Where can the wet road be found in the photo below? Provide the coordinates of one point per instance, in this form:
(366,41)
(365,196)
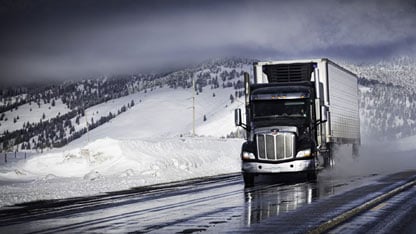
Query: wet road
(215,204)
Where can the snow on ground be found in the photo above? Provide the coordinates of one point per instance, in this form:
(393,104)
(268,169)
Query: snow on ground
(114,165)
(148,144)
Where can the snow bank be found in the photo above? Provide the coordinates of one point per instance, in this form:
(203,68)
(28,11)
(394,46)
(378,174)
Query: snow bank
(109,165)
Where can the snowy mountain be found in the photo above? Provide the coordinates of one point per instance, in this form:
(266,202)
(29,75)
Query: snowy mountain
(54,116)
(399,71)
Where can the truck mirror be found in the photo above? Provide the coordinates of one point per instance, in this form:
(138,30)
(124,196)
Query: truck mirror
(324,114)
(318,110)
(237,117)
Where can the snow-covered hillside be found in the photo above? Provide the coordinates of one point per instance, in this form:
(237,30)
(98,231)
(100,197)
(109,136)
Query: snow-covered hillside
(397,71)
(91,103)
(167,112)
(30,113)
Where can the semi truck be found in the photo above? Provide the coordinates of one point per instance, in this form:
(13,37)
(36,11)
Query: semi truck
(297,113)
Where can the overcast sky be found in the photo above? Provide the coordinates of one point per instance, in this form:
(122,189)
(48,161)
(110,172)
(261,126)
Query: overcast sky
(69,39)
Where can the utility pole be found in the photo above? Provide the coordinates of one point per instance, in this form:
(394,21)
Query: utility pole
(86,122)
(193,107)
(84,151)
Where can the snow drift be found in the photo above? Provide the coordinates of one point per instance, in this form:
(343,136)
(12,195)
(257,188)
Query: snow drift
(109,165)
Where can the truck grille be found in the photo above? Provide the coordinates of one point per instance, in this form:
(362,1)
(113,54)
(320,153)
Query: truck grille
(276,147)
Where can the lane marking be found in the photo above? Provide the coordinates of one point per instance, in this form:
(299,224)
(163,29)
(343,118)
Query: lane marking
(380,206)
(366,206)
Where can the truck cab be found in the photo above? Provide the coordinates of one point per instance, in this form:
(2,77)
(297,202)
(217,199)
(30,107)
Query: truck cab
(287,111)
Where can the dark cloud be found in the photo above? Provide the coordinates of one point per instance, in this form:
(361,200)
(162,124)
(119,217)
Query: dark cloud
(48,39)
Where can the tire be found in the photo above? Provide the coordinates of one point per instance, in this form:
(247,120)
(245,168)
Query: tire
(248,179)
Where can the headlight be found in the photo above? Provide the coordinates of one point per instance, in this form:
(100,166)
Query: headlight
(304,153)
(248,155)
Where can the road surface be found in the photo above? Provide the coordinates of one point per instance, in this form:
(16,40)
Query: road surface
(214,204)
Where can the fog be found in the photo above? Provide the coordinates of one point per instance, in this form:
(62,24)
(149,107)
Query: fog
(375,159)
(77,39)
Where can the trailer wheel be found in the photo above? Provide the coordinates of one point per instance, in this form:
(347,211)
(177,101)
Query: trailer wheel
(248,179)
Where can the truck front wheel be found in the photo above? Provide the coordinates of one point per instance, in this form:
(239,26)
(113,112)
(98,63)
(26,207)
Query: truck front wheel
(248,179)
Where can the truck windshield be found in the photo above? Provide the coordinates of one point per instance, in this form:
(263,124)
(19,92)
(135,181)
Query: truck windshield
(280,108)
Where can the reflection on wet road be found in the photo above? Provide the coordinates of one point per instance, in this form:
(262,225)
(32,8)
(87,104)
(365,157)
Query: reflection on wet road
(273,198)
(270,201)
(212,204)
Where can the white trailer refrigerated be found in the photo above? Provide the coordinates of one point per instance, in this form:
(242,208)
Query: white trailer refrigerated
(296,113)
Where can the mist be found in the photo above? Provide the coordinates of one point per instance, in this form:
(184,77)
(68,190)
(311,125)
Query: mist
(375,159)
(50,40)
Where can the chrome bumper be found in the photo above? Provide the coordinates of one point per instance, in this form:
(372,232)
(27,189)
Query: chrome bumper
(293,166)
